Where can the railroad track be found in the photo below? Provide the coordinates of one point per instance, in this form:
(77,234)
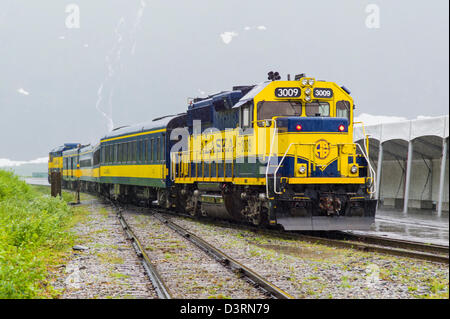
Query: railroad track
(368,243)
(243,272)
(389,246)
(266,287)
(161,290)
(397,243)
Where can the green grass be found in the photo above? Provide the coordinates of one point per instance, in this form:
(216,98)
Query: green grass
(33,238)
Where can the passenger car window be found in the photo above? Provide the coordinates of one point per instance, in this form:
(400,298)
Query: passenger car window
(130,152)
(134,151)
(163,153)
(146,150)
(151,150)
(111,155)
(139,151)
(158,149)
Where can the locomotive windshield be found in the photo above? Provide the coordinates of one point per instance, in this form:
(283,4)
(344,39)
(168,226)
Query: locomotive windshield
(317,109)
(269,109)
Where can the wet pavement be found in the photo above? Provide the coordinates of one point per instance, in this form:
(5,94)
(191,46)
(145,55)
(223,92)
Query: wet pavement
(416,225)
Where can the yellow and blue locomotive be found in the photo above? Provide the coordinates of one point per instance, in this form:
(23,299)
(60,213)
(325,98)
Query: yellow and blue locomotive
(55,158)
(276,153)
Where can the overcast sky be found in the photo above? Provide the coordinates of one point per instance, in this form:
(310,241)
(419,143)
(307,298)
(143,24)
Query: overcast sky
(138,59)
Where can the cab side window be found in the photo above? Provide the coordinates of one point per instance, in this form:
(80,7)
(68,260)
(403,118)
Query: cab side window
(246,115)
(343,109)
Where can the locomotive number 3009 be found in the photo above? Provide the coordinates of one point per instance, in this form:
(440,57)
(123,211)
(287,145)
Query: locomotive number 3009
(287,92)
(319,92)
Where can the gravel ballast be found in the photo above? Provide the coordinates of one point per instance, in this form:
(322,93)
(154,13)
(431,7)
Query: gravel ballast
(187,271)
(103,263)
(308,270)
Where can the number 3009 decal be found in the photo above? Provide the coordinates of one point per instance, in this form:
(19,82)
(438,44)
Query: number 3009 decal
(287,92)
(326,93)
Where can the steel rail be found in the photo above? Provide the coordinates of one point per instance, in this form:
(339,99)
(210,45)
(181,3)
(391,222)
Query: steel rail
(161,290)
(380,245)
(378,248)
(252,277)
(397,243)
(389,246)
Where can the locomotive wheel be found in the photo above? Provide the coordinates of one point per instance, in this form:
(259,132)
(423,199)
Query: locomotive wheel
(256,212)
(192,204)
(193,208)
(164,199)
(187,203)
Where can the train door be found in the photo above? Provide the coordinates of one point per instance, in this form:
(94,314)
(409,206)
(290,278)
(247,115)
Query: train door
(78,170)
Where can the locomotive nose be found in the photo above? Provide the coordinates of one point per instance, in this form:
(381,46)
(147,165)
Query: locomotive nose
(314,124)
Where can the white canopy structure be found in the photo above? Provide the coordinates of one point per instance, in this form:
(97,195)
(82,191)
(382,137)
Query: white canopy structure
(410,153)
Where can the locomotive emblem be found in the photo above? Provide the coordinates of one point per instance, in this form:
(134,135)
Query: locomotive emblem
(322,149)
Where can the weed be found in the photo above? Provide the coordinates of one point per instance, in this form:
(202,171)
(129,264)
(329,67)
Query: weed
(33,238)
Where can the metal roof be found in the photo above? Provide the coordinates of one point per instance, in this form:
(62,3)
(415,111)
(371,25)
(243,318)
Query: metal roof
(427,134)
(405,130)
(251,94)
(142,127)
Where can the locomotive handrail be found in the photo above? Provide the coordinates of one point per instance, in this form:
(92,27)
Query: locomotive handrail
(366,155)
(366,136)
(371,170)
(278,167)
(275,131)
(173,163)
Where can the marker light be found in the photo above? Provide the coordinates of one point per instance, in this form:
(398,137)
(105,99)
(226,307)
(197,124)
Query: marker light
(341,128)
(304,81)
(354,169)
(302,170)
(298,127)
(311,81)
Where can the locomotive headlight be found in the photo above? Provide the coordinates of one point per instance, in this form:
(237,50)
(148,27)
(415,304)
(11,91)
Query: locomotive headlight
(302,169)
(354,169)
(307,98)
(311,82)
(308,91)
(304,81)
